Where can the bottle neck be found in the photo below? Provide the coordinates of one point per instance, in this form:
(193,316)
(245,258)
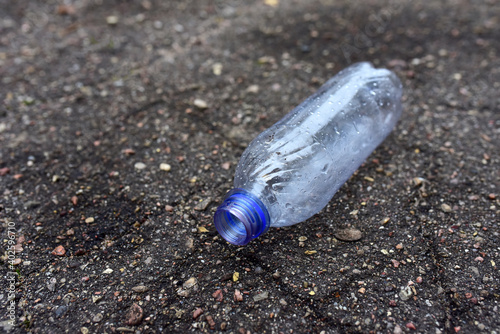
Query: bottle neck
(241,217)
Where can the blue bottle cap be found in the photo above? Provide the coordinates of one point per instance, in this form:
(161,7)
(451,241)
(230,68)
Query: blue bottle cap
(241,217)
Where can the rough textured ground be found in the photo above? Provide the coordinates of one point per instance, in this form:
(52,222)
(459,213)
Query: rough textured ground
(97,95)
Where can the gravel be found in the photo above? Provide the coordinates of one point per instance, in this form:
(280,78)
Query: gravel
(122,123)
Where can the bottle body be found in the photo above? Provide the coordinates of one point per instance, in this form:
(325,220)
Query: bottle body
(295,167)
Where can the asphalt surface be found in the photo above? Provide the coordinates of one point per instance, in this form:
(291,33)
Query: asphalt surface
(121,124)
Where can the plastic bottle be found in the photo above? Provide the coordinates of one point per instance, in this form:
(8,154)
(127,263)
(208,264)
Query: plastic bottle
(292,170)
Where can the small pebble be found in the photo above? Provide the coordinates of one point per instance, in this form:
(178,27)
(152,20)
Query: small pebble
(140,165)
(190,283)
(60,311)
(211,322)
(217,68)
(199,103)
(52,284)
(165,167)
(238,297)
(112,20)
(140,288)
(226,277)
(218,296)
(59,251)
(410,325)
(349,234)
(253,89)
(197,313)
(134,315)
(443,52)
(397,63)
(108,271)
(405,293)
(89,220)
(98,317)
(261,296)
(201,206)
(202,229)
(4,171)
(96,299)
(157,24)
(66,10)
(446,208)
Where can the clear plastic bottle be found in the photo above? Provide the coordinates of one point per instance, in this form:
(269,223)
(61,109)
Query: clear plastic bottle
(292,170)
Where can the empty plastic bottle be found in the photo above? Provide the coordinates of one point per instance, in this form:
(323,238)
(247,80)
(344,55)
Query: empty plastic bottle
(292,170)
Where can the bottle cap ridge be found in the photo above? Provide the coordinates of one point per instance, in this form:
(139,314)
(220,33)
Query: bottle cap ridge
(241,217)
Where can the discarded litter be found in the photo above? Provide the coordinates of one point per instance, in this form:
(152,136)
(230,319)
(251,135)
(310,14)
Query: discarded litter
(292,170)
